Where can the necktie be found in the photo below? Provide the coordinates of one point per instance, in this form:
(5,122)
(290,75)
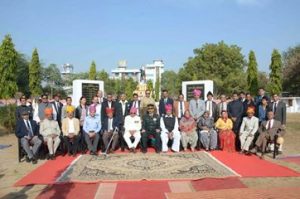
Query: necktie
(29,129)
(196,104)
(181,109)
(269,124)
(210,111)
(275,107)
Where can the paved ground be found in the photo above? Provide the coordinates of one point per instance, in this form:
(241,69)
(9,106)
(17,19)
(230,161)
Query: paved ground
(11,170)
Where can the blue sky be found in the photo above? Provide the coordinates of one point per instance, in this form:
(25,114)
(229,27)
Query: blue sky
(77,32)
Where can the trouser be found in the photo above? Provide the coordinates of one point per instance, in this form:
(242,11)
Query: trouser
(106,138)
(189,138)
(137,138)
(71,144)
(165,139)
(35,142)
(246,140)
(145,137)
(92,143)
(209,139)
(52,143)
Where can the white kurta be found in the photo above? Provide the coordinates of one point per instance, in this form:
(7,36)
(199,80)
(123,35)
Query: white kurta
(248,128)
(132,124)
(165,138)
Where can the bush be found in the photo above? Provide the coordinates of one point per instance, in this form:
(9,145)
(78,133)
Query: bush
(8,117)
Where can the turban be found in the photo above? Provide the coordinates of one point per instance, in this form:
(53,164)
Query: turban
(70,109)
(92,108)
(197,92)
(133,110)
(168,107)
(109,110)
(251,109)
(48,111)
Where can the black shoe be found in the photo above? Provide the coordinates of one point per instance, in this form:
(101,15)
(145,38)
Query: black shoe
(28,159)
(122,149)
(69,154)
(34,161)
(48,156)
(52,157)
(144,151)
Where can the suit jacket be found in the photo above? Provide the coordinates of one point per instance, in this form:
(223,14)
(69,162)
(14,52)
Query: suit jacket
(276,128)
(280,113)
(120,109)
(176,109)
(58,110)
(139,105)
(103,109)
(65,126)
(21,128)
(249,125)
(197,110)
(214,110)
(235,109)
(115,123)
(219,108)
(162,110)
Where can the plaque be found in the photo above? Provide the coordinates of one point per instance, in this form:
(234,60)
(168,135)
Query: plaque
(89,90)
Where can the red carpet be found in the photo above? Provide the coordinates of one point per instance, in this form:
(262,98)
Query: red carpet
(145,190)
(217,183)
(253,166)
(47,173)
(295,160)
(69,190)
(132,190)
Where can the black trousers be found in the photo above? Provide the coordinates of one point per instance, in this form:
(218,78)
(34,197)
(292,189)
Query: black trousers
(145,138)
(71,144)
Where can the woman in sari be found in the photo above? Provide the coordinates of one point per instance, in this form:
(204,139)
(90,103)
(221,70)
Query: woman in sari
(226,135)
(188,131)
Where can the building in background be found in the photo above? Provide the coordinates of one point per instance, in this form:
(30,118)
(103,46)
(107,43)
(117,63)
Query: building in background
(122,72)
(154,71)
(66,71)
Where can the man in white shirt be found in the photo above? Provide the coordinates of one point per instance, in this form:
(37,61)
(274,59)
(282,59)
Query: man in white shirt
(50,131)
(132,126)
(248,129)
(169,130)
(70,129)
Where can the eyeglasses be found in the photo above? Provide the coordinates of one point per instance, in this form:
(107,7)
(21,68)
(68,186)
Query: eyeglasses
(150,108)
(147,93)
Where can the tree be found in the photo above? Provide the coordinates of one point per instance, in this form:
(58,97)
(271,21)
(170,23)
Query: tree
(291,70)
(263,80)
(8,81)
(52,76)
(8,68)
(130,86)
(170,81)
(92,73)
(222,63)
(252,74)
(22,74)
(275,86)
(35,74)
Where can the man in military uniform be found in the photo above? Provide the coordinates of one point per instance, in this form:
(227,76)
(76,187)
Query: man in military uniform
(151,128)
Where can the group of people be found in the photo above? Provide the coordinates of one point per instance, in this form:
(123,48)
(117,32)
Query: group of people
(240,123)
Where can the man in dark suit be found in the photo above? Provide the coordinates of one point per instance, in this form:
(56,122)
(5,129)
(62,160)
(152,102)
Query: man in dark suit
(164,101)
(123,111)
(258,98)
(211,106)
(27,131)
(57,106)
(136,103)
(110,124)
(109,103)
(279,109)
(235,112)
(267,131)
